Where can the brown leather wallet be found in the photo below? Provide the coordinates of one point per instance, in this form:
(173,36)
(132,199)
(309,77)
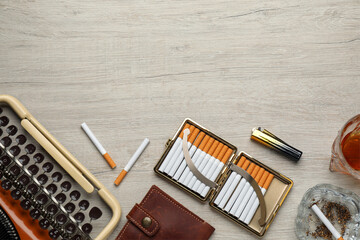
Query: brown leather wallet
(159,216)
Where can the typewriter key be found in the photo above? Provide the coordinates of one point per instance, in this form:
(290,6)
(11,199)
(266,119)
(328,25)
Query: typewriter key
(15,194)
(38,157)
(33,169)
(95,213)
(65,186)
(12,130)
(30,148)
(6,141)
(56,177)
(87,228)
(42,178)
(25,204)
(61,198)
(61,218)
(70,207)
(5,160)
(44,223)
(75,195)
(32,189)
(52,209)
(15,150)
(6,184)
(70,228)
(84,204)
(52,188)
(4,121)
(54,233)
(79,217)
(24,160)
(15,170)
(24,180)
(21,139)
(42,199)
(48,167)
(35,213)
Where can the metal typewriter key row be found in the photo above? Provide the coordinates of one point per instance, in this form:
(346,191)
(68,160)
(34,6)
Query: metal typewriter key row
(45,193)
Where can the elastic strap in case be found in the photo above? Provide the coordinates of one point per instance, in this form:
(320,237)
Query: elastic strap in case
(233,167)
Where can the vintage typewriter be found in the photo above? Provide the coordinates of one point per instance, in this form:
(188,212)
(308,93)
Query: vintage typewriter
(45,193)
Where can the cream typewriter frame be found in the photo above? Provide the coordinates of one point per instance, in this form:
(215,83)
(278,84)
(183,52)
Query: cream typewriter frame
(74,168)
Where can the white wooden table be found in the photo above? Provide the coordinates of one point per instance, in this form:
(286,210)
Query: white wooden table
(136,69)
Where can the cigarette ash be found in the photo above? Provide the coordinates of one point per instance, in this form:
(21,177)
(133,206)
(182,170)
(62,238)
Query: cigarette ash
(337,214)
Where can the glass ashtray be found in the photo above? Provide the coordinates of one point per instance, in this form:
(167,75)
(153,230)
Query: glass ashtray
(343,210)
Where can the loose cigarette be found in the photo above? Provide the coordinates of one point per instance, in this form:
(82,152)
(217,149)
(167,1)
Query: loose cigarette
(179,152)
(194,158)
(264,188)
(208,165)
(173,149)
(326,222)
(187,175)
(217,162)
(218,170)
(242,187)
(253,196)
(181,156)
(231,183)
(98,145)
(192,151)
(248,191)
(132,161)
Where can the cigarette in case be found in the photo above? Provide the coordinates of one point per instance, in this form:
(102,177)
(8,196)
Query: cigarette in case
(326,222)
(268,139)
(193,134)
(192,152)
(132,161)
(217,170)
(218,162)
(264,184)
(208,165)
(172,151)
(232,181)
(187,175)
(198,156)
(179,153)
(212,151)
(98,145)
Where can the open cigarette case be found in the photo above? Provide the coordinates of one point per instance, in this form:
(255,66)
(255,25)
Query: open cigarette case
(211,169)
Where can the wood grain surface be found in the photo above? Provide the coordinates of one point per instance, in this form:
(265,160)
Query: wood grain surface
(136,69)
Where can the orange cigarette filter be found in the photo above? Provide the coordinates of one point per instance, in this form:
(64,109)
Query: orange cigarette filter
(259,175)
(251,168)
(182,131)
(204,142)
(241,161)
(227,155)
(222,152)
(199,138)
(263,179)
(109,160)
(192,133)
(209,145)
(217,150)
(255,171)
(246,164)
(268,181)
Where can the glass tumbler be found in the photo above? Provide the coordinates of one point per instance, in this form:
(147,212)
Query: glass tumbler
(345,152)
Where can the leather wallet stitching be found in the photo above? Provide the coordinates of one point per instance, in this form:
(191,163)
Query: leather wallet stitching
(124,229)
(176,204)
(141,227)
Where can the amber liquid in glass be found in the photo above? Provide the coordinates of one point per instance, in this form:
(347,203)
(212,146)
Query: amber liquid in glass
(350,146)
